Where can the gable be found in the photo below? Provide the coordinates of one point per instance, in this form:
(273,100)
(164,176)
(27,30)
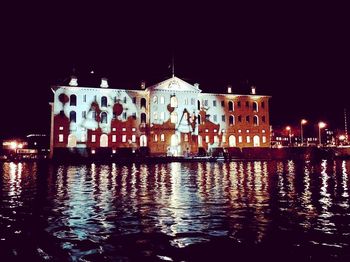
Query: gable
(174,84)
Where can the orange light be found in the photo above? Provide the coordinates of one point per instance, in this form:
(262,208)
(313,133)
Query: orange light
(288,128)
(303,121)
(321,124)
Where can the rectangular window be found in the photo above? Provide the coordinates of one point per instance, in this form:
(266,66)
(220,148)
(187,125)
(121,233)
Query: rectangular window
(214,103)
(223,139)
(124,115)
(193,101)
(114,129)
(162,100)
(215,118)
(223,119)
(124,129)
(248,139)
(61,128)
(205,102)
(84,98)
(186,101)
(133,115)
(207,139)
(239,139)
(114,116)
(134,100)
(264,139)
(186,138)
(114,138)
(133,129)
(133,138)
(123,138)
(223,103)
(93,138)
(60,138)
(239,104)
(162,137)
(124,100)
(84,114)
(247,104)
(247,119)
(155,138)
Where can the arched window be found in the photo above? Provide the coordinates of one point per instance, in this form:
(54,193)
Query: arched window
(256,120)
(173,101)
(199,119)
(155,100)
(73,117)
(103,140)
(231,120)
(143,118)
(231,141)
(256,141)
(230,106)
(255,106)
(200,140)
(73,100)
(173,117)
(104,101)
(104,118)
(143,140)
(143,102)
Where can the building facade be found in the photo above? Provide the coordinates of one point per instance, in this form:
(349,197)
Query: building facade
(170,118)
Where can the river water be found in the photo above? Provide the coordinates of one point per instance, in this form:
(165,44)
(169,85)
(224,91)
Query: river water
(236,211)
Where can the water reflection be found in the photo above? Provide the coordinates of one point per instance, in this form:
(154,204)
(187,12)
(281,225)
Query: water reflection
(94,211)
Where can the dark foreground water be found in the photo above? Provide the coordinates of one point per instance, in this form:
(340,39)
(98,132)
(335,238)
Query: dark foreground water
(238,211)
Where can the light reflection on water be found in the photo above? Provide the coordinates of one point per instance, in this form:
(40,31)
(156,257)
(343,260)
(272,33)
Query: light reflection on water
(153,211)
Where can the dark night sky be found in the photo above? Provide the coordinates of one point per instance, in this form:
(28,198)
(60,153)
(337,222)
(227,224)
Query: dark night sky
(298,54)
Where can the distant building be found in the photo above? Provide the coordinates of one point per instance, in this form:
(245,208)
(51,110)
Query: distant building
(170,118)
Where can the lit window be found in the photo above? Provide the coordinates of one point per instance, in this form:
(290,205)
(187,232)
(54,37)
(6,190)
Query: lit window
(155,100)
(93,138)
(162,100)
(60,138)
(114,138)
(240,139)
(247,131)
(206,130)
(83,137)
(264,139)
(114,129)
(216,139)
(173,101)
(173,117)
(155,115)
(186,116)
(133,129)
(61,128)
(155,138)
(186,137)
(223,130)
(200,141)
(162,137)
(93,151)
(239,131)
(248,139)
(124,129)
(207,139)
(114,151)
(123,138)
(215,130)
(133,138)
(223,139)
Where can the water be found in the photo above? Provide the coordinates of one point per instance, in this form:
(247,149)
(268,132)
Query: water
(237,211)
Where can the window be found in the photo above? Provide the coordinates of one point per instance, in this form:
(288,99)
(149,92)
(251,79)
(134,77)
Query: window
(114,116)
(155,138)
(104,118)
(214,103)
(216,140)
(83,138)
(114,129)
(155,100)
(173,117)
(223,118)
(143,102)
(255,120)
(123,138)
(207,140)
(205,102)
(162,115)
(215,118)
(207,117)
(73,100)
(162,137)
(247,119)
(133,129)
(143,118)
(223,103)
(60,138)
(239,119)
(124,100)
(72,117)
(240,139)
(255,106)
(262,104)
(199,105)
(239,104)
(114,138)
(133,138)
(134,100)
(186,101)
(231,120)
(193,101)
(83,114)
(199,119)
(61,113)
(162,100)
(173,101)
(93,138)
(133,115)
(124,129)
(61,128)
(206,130)
(84,98)
(155,116)
(264,139)
(104,101)
(248,139)
(263,119)
(246,104)
(230,106)
(223,139)
(124,115)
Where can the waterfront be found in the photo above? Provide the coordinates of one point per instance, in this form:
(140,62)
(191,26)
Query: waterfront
(277,210)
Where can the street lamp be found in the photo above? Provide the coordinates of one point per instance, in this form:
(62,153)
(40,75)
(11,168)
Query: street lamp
(289,129)
(302,122)
(320,126)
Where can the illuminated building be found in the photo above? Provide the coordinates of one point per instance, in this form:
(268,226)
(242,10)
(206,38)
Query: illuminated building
(170,118)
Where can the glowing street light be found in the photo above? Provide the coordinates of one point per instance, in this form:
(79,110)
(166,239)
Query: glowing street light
(302,122)
(289,129)
(320,126)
